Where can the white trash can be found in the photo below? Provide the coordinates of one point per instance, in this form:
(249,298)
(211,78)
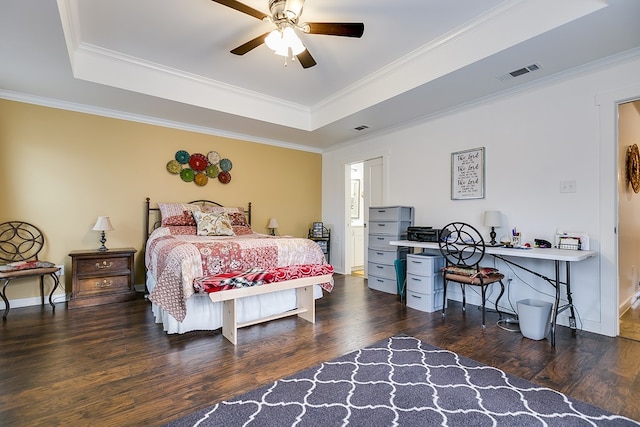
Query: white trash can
(534,317)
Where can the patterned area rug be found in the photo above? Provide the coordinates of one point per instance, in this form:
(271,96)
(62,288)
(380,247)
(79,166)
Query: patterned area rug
(402,381)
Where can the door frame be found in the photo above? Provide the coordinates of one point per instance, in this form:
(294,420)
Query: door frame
(609,166)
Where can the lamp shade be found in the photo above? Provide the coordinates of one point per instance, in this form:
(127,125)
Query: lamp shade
(103,224)
(492,219)
(273,223)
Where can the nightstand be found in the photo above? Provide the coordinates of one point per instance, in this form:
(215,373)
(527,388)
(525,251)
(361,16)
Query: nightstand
(101,277)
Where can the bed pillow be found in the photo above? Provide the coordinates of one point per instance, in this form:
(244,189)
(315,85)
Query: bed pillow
(212,224)
(177,213)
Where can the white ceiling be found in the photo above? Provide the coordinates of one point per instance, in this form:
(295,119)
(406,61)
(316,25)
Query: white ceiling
(168,61)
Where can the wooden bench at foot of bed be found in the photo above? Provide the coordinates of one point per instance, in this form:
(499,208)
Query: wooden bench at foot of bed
(305,301)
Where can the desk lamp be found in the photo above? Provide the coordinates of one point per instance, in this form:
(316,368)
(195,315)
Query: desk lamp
(492,219)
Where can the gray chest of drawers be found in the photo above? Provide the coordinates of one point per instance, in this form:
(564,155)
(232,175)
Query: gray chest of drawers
(386,223)
(425,282)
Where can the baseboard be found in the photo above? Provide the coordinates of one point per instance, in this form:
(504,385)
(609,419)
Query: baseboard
(58,297)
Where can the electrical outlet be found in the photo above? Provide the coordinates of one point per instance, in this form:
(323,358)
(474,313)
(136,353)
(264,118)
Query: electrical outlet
(61,271)
(568,186)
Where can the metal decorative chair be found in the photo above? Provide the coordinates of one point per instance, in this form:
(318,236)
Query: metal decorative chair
(20,243)
(463,250)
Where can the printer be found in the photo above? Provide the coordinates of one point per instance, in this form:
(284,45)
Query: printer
(426,234)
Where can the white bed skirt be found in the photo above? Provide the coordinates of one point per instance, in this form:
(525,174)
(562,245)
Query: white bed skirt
(205,315)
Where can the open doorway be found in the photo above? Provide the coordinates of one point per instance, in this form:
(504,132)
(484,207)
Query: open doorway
(628,223)
(364,188)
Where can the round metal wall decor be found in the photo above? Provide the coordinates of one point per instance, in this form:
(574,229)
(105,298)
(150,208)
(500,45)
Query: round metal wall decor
(198,168)
(633,167)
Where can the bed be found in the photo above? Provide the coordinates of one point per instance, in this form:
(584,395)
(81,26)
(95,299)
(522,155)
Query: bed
(178,254)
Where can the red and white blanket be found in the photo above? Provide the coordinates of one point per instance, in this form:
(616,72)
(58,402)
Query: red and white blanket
(176,258)
(260,276)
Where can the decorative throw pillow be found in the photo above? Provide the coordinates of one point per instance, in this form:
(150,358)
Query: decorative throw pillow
(212,224)
(238,218)
(25,265)
(177,213)
(241,230)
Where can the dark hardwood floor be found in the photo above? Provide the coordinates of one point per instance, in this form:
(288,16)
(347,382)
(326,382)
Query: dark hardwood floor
(112,365)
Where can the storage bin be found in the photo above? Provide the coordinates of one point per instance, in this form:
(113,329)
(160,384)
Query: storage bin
(425,284)
(382,241)
(425,302)
(391,213)
(388,271)
(386,256)
(395,228)
(383,284)
(534,317)
(425,264)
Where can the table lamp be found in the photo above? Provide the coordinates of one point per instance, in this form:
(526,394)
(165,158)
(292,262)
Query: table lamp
(103,224)
(492,219)
(273,224)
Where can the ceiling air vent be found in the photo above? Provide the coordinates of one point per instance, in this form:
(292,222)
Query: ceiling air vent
(361,127)
(519,72)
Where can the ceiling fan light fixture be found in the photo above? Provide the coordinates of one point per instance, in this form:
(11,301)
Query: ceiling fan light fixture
(281,40)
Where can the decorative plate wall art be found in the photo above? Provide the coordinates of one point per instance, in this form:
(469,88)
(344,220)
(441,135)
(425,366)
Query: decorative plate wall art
(200,168)
(633,167)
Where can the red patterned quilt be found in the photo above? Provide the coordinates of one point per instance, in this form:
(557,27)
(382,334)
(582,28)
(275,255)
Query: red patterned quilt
(175,259)
(259,276)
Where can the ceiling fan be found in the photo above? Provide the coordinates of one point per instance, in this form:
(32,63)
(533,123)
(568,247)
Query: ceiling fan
(285,15)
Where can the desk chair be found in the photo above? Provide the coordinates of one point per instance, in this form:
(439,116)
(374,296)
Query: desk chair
(463,250)
(20,243)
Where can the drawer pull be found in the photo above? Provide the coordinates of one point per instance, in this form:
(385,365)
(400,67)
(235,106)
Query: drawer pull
(417,262)
(380,238)
(379,253)
(416,279)
(104,284)
(416,296)
(379,266)
(104,265)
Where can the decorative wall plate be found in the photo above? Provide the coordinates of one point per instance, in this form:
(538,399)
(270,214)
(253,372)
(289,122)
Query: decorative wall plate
(198,162)
(174,167)
(224,177)
(633,167)
(226,165)
(201,179)
(213,157)
(212,171)
(182,157)
(187,174)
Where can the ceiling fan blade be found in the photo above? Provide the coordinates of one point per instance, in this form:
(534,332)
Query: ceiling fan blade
(250,45)
(306,60)
(241,7)
(345,29)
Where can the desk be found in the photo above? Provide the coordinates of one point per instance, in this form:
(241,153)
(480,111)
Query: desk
(551,254)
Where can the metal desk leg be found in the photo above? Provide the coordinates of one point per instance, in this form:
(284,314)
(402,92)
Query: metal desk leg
(572,318)
(554,317)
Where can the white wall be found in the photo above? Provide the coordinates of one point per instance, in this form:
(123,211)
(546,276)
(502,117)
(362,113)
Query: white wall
(534,139)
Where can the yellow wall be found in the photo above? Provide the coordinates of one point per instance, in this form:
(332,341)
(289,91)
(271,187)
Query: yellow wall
(60,170)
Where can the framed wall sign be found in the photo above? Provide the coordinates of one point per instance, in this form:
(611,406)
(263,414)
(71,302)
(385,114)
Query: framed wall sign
(467,174)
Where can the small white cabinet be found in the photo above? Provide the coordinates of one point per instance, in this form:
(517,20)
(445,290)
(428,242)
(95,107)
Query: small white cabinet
(386,223)
(425,283)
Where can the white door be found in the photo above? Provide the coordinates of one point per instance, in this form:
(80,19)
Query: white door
(373,196)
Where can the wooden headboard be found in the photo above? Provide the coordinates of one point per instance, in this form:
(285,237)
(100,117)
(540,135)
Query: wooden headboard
(153,220)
